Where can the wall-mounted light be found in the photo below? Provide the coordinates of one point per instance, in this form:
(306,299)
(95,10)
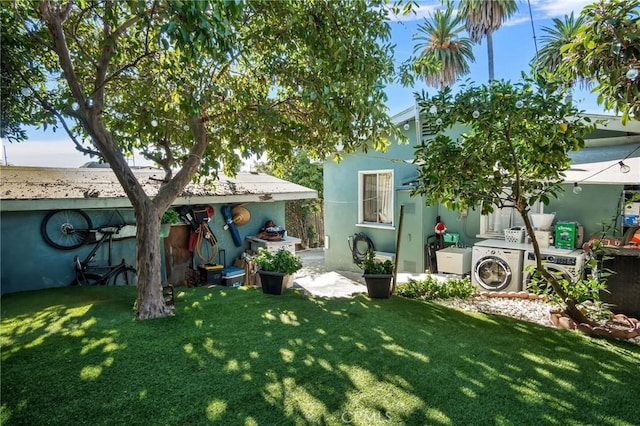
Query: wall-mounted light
(577,188)
(406,126)
(624,168)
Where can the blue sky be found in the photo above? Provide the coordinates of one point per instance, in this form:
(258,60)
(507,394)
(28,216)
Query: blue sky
(513,50)
(513,47)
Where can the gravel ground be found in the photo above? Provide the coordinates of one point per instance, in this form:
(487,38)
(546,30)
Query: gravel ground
(523,309)
(527,310)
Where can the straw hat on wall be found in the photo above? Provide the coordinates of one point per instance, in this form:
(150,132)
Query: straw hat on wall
(240,215)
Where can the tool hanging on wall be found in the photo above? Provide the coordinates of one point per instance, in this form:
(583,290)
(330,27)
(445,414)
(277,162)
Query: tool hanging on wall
(230,224)
(196,215)
(203,235)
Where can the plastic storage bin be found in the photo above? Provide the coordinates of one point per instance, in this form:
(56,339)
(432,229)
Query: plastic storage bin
(233,276)
(454,260)
(210,274)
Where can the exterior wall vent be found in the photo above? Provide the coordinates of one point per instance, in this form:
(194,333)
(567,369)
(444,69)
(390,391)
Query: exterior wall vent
(409,266)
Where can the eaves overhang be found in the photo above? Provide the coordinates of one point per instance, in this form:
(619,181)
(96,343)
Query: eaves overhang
(36,188)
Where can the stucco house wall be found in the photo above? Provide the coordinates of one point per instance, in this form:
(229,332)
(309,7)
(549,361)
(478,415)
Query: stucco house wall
(598,202)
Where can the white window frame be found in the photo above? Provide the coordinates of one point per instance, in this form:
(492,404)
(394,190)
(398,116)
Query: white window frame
(538,207)
(391,209)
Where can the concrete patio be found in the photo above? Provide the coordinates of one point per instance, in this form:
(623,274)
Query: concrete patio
(317,281)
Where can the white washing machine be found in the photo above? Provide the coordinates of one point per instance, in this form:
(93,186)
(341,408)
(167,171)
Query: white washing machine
(496,268)
(566,264)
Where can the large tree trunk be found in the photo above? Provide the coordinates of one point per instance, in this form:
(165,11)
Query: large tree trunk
(150,302)
(571,305)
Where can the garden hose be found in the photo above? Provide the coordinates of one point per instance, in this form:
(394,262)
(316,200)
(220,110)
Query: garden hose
(357,255)
(204,233)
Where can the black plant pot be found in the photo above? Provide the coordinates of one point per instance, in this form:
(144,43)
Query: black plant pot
(272,282)
(378,286)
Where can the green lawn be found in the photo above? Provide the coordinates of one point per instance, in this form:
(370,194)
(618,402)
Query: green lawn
(238,357)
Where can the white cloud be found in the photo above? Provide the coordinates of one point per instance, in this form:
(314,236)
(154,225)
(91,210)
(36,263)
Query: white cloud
(51,153)
(419,13)
(516,21)
(556,8)
(541,9)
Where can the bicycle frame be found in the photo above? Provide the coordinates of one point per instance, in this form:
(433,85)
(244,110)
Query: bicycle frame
(92,275)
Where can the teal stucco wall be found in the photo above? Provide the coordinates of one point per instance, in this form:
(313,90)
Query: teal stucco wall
(596,208)
(27,262)
(595,205)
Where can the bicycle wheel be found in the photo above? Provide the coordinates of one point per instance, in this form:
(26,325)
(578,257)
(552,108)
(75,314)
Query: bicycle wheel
(91,278)
(126,276)
(66,229)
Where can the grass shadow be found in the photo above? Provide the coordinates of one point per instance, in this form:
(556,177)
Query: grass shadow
(236,356)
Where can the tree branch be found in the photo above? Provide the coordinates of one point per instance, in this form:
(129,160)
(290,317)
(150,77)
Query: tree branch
(54,23)
(77,40)
(47,106)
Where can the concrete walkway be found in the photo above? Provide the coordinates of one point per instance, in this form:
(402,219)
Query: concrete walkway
(315,280)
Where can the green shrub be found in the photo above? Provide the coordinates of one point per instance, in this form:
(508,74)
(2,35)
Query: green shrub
(370,265)
(170,216)
(430,289)
(281,261)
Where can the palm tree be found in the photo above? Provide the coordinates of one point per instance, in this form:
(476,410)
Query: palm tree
(563,32)
(444,56)
(482,18)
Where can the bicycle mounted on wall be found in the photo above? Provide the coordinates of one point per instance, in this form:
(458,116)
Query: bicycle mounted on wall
(71,229)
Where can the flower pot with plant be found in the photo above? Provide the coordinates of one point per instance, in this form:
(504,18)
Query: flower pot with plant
(274,267)
(377,275)
(168,218)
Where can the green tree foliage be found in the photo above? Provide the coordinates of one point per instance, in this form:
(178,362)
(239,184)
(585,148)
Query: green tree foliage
(482,18)
(553,40)
(18,76)
(199,85)
(442,54)
(511,151)
(606,51)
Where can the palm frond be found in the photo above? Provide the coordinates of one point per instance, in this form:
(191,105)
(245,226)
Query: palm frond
(439,41)
(485,16)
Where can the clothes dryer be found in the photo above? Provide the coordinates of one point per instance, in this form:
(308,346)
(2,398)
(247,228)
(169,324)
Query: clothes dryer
(566,265)
(496,269)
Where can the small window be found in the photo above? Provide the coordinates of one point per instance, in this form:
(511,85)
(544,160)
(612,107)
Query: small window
(494,224)
(375,197)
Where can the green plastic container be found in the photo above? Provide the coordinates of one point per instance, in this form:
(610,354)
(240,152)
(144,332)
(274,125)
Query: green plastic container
(566,235)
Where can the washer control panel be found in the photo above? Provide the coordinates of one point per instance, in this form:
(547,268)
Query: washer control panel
(550,258)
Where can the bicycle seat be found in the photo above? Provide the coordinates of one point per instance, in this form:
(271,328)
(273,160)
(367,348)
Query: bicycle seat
(109,229)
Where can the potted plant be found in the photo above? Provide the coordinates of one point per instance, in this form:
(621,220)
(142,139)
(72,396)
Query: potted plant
(274,267)
(377,275)
(169,217)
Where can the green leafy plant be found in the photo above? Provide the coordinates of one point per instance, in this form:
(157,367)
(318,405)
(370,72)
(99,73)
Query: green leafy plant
(280,261)
(500,145)
(431,289)
(371,266)
(321,87)
(604,50)
(585,291)
(170,216)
